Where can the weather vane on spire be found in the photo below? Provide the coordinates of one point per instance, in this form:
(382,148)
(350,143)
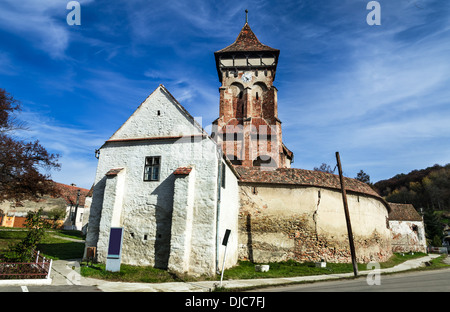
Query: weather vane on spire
(246,16)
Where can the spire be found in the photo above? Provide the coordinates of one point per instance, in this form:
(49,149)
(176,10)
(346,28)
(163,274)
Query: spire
(247,41)
(246,16)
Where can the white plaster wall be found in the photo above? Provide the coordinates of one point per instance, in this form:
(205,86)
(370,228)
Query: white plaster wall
(147,205)
(404,239)
(182,222)
(228,219)
(145,121)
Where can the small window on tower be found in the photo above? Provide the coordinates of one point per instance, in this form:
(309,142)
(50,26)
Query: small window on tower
(240,95)
(257,96)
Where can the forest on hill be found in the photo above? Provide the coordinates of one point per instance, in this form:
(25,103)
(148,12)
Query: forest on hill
(428,190)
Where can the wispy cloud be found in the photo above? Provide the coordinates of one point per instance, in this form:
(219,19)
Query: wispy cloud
(42,23)
(74,145)
(373,92)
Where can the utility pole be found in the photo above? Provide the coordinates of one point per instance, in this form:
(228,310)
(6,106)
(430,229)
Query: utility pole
(74,219)
(347,216)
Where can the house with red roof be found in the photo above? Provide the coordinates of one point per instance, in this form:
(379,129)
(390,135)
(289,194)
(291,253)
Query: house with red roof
(407,228)
(72,200)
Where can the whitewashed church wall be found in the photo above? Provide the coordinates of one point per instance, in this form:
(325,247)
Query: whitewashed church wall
(147,205)
(157,116)
(228,219)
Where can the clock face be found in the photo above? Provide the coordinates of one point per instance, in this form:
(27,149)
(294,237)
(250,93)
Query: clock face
(247,76)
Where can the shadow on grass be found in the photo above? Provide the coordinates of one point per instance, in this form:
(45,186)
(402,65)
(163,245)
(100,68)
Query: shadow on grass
(62,251)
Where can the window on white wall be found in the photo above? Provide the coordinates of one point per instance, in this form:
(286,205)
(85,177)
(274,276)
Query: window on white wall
(152,168)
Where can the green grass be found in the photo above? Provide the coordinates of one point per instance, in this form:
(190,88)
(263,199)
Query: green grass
(244,270)
(60,248)
(51,247)
(10,237)
(130,273)
(68,233)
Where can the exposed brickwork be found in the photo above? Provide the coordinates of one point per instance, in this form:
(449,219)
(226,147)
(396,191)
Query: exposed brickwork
(248,106)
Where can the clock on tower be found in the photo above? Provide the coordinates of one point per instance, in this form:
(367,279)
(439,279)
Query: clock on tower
(248,126)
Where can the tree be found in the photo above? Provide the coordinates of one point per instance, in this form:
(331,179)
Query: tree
(433,226)
(56,214)
(8,105)
(21,162)
(363,177)
(22,251)
(324,168)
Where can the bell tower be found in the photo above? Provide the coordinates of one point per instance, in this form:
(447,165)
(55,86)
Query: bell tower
(248,126)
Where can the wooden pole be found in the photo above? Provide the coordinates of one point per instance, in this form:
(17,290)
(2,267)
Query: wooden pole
(347,216)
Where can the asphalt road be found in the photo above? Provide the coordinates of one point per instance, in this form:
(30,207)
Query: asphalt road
(423,281)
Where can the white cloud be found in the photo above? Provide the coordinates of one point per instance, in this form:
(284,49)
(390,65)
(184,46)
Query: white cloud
(75,146)
(43,23)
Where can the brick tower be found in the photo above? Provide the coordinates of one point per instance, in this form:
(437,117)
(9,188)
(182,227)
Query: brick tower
(248,126)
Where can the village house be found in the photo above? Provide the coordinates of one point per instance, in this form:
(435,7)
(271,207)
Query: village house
(72,200)
(407,227)
(173,190)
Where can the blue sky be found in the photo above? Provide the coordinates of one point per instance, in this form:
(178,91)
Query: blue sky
(380,95)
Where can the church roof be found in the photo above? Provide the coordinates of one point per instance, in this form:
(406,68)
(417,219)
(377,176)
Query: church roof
(302,177)
(247,42)
(404,212)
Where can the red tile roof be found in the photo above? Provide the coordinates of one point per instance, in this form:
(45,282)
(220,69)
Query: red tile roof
(182,171)
(113,172)
(294,176)
(247,41)
(404,212)
(69,193)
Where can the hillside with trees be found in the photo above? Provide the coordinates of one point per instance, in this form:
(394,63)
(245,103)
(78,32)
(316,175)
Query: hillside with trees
(428,189)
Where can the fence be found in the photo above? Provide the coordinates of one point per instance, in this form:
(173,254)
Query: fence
(39,269)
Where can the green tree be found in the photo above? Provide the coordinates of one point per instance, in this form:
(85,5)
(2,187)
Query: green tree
(23,250)
(324,168)
(56,214)
(363,177)
(433,226)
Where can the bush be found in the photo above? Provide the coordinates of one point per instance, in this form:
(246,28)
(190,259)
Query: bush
(23,250)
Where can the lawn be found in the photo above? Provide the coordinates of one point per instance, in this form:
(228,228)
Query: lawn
(53,246)
(244,270)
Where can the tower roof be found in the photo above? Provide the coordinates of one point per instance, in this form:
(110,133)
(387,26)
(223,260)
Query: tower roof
(247,42)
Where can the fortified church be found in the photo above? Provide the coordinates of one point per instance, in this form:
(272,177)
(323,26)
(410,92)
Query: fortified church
(173,191)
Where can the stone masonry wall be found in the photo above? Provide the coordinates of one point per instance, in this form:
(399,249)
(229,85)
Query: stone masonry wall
(279,223)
